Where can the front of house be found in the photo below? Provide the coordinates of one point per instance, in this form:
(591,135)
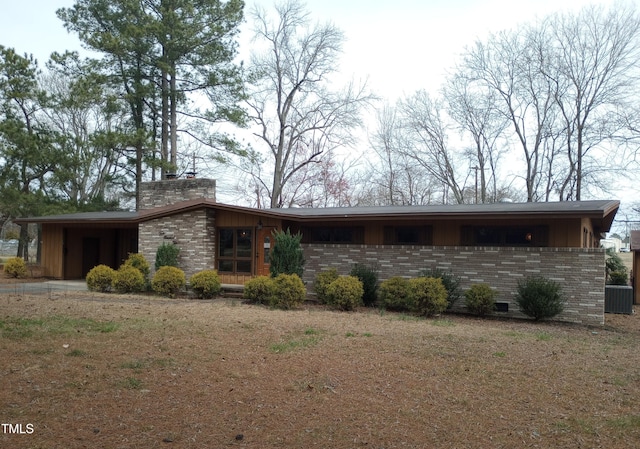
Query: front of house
(497,244)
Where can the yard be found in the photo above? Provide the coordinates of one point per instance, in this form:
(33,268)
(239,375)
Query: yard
(86,370)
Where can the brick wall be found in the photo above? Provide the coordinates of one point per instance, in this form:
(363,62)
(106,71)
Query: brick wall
(162,193)
(581,272)
(193,232)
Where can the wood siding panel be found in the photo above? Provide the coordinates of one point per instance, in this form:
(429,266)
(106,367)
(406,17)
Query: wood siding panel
(52,249)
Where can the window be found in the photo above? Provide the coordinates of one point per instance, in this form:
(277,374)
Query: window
(408,235)
(505,235)
(235,247)
(338,234)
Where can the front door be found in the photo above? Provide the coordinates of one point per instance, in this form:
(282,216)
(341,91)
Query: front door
(264,244)
(90,254)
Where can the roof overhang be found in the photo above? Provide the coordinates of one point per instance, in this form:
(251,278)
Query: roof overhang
(601,213)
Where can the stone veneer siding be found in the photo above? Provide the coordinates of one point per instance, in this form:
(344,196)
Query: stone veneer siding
(162,193)
(580,272)
(193,232)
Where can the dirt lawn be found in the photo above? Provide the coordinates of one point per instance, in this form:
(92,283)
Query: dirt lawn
(86,370)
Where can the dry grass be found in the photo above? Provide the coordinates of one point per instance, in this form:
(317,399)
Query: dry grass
(105,371)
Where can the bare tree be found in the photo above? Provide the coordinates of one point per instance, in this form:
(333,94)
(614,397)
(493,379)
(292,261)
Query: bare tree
(478,116)
(393,177)
(593,68)
(428,144)
(298,118)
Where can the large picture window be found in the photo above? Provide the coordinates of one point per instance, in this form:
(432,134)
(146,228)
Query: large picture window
(505,235)
(408,235)
(235,248)
(333,234)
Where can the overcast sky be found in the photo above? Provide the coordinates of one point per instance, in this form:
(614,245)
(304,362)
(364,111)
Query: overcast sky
(399,46)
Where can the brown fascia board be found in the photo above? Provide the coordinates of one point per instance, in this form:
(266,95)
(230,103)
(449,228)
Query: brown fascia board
(601,212)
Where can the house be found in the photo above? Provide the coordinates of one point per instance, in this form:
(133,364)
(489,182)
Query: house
(635,273)
(497,244)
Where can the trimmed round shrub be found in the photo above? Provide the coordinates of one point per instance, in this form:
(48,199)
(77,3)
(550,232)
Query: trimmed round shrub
(368,275)
(322,281)
(450,281)
(16,267)
(394,294)
(168,281)
(137,260)
(167,255)
(428,295)
(480,299)
(206,284)
(345,293)
(288,291)
(540,298)
(128,279)
(259,289)
(100,278)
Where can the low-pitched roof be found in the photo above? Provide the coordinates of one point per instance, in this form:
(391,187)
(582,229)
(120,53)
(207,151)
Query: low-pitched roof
(602,212)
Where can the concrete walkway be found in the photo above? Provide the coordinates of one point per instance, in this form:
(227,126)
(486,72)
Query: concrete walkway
(43,287)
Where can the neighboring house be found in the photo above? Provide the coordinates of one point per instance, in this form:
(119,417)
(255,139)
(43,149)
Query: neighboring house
(635,272)
(497,244)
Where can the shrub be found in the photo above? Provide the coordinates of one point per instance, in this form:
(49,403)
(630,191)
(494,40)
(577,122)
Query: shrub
(394,294)
(450,281)
(288,291)
(345,293)
(286,255)
(137,260)
(206,284)
(540,298)
(614,264)
(428,295)
(259,290)
(322,281)
(128,280)
(167,255)
(480,299)
(619,277)
(100,278)
(168,281)
(368,275)
(16,267)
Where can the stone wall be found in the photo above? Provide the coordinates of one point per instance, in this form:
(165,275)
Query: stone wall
(581,272)
(170,191)
(193,232)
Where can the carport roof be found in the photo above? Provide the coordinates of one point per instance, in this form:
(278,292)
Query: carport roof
(602,212)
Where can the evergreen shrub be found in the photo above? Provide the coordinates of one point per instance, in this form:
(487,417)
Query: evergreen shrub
(16,267)
(394,294)
(128,279)
(288,292)
(168,281)
(259,290)
(167,255)
(206,284)
(286,255)
(345,293)
(137,260)
(368,275)
(100,278)
(450,281)
(322,281)
(428,295)
(480,299)
(540,298)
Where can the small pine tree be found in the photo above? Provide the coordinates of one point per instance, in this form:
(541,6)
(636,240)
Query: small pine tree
(167,255)
(286,255)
